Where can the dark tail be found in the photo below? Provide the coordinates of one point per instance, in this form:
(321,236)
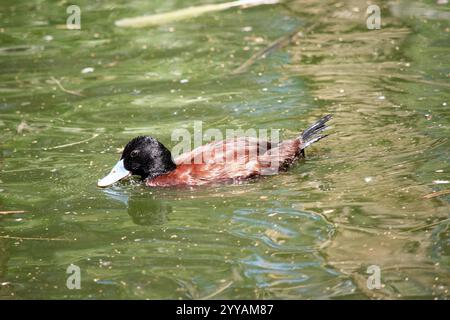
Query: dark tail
(311,135)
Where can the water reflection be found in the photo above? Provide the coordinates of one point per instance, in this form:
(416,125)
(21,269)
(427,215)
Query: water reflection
(144,209)
(145,212)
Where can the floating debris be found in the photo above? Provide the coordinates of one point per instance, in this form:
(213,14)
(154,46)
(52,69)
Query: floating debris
(95,135)
(436,194)
(87,70)
(23,126)
(58,83)
(368,179)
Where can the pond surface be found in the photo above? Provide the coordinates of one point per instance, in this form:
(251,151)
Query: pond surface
(71,99)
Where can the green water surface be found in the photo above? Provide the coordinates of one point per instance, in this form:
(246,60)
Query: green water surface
(357,200)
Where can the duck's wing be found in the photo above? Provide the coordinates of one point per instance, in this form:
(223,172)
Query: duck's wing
(240,149)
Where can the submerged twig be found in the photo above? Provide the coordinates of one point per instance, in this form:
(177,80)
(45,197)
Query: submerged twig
(277,44)
(219,121)
(436,194)
(12,212)
(218,291)
(427,225)
(95,135)
(186,13)
(58,83)
(30,238)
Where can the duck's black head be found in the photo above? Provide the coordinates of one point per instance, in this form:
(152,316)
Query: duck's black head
(143,156)
(147,157)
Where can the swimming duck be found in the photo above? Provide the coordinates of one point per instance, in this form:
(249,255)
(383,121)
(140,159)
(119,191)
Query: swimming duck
(235,159)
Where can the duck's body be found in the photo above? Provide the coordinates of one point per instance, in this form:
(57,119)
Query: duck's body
(230,160)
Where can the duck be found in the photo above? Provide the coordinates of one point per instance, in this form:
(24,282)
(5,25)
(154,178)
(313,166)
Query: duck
(231,160)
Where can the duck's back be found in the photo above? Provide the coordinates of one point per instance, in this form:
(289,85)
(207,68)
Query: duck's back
(233,159)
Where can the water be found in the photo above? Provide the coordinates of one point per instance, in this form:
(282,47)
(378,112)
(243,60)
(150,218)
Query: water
(357,200)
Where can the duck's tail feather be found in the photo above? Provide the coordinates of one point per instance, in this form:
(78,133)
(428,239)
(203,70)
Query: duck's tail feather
(311,135)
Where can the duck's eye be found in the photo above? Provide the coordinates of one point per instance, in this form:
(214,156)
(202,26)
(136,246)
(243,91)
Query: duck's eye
(134,153)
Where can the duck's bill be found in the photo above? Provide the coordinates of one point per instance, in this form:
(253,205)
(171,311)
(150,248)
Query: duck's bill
(117,173)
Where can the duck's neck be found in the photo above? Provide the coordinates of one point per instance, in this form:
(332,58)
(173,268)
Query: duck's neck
(166,166)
